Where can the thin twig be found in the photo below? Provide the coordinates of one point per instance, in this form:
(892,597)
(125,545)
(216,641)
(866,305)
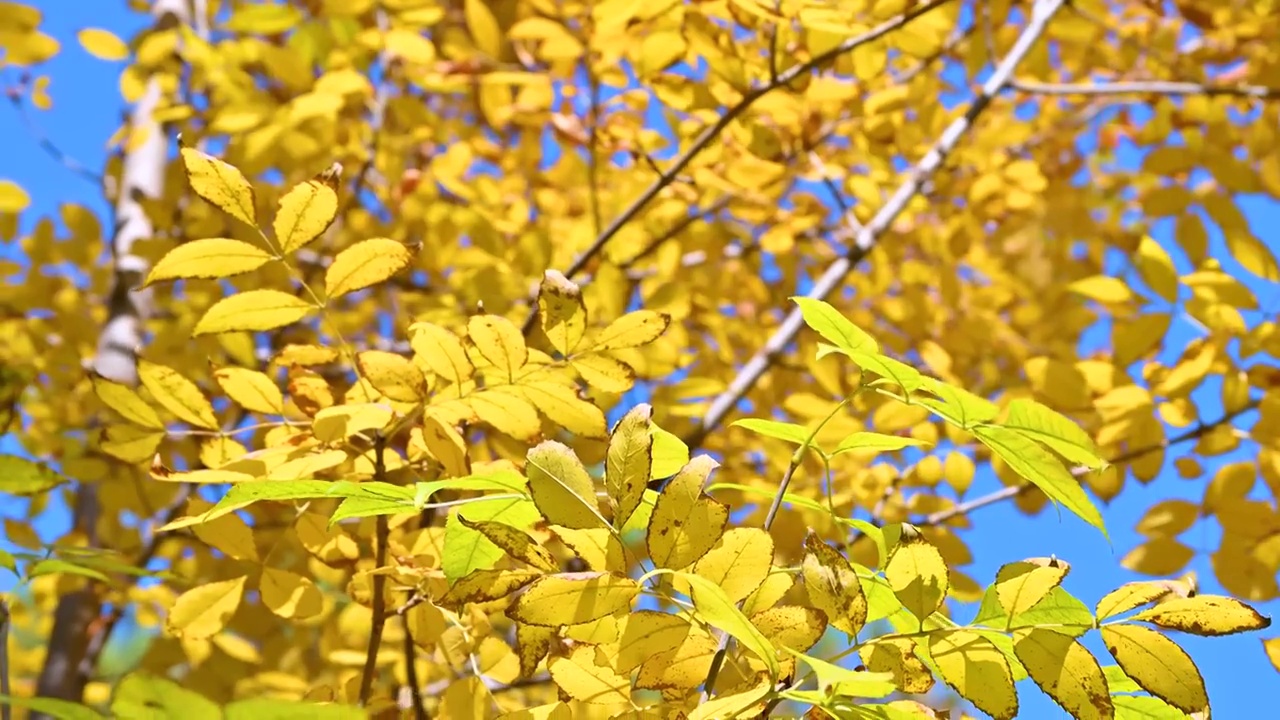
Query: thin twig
(381,536)
(411,671)
(46,144)
(6,710)
(715,129)
(1195,433)
(1145,87)
(866,240)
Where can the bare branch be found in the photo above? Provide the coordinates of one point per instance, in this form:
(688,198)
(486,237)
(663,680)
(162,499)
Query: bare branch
(1145,87)
(51,148)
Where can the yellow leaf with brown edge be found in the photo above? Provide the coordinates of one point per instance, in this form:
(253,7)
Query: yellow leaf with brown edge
(204,610)
(605,373)
(365,264)
(507,413)
(739,562)
(562,406)
(207,258)
(684,667)
(791,627)
(177,394)
(634,329)
(125,402)
(500,342)
(1066,671)
(1020,585)
(514,542)
(561,488)
(441,351)
(628,462)
(251,311)
(579,677)
(833,586)
(917,573)
(289,595)
(220,184)
(1158,665)
(395,376)
(561,311)
(486,585)
(598,547)
(685,523)
(976,669)
(897,656)
(251,390)
(573,599)
(305,212)
(532,644)
(1207,615)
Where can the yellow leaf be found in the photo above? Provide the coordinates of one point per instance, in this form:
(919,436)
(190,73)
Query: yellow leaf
(305,212)
(1158,556)
(739,563)
(976,669)
(632,330)
(13,197)
(251,311)
(1271,646)
(514,542)
(177,394)
(740,704)
(917,574)
(506,412)
(628,463)
(561,311)
(1205,615)
(484,27)
(561,487)
(203,611)
(220,184)
(487,585)
(1252,253)
(251,390)
(833,586)
(395,376)
(289,595)
(897,656)
(127,403)
(562,406)
(717,610)
(209,258)
(102,44)
(1065,671)
(201,477)
(364,264)
(1020,585)
(305,355)
(649,633)
(446,445)
(228,533)
(684,667)
(129,443)
(1157,269)
(604,373)
(410,45)
(1158,665)
(791,627)
(1136,594)
(770,592)
(581,678)
(573,599)
(499,342)
(686,523)
(327,544)
(1102,288)
(440,350)
(597,547)
(334,424)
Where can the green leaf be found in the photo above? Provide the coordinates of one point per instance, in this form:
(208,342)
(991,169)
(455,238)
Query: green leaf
(900,373)
(790,432)
(957,405)
(1041,469)
(500,480)
(356,507)
(58,709)
(878,442)
(715,607)
(844,682)
(836,328)
(20,476)
(54,566)
(1144,707)
(275,709)
(1058,608)
(144,696)
(1040,423)
(8,561)
(467,550)
(1118,681)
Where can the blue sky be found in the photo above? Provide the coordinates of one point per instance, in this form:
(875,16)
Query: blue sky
(87,109)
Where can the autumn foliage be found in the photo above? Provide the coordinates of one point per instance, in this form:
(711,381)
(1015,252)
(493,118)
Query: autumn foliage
(542,360)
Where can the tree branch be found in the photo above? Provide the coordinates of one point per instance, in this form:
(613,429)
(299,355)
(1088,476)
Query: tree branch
(1145,87)
(866,239)
(381,537)
(713,131)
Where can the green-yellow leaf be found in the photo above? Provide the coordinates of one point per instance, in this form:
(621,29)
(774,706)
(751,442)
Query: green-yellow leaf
(208,258)
(844,682)
(916,572)
(789,432)
(1207,615)
(875,442)
(1041,469)
(1030,418)
(739,704)
(573,599)
(143,695)
(976,669)
(514,542)
(669,453)
(177,394)
(718,611)
(467,550)
(20,476)
(203,611)
(834,327)
(57,709)
(1020,585)
(365,264)
(685,523)
(634,329)
(629,462)
(1066,671)
(561,487)
(253,311)
(1158,665)
(305,212)
(102,44)
(220,184)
